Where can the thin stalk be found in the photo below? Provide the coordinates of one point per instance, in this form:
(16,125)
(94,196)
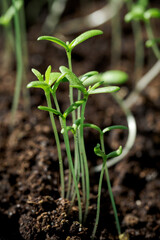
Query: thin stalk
(66,140)
(110,188)
(151,36)
(19,63)
(116,33)
(83,154)
(112,201)
(57,143)
(99,199)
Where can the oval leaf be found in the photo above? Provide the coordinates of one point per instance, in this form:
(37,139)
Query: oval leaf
(47,74)
(55,40)
(152,13)
(115,153)
(104,90)
(37,74)
(72,78)
(114,77)
(38,84)
(87,75)
(83,37)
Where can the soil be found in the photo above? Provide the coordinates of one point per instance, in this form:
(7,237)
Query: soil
(30,202)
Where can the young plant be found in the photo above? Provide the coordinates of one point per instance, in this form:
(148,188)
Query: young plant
(86,85)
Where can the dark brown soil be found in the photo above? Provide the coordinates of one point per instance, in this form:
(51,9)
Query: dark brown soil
(30,203)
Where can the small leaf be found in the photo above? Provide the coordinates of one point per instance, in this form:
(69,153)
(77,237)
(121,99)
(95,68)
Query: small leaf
(104,90)
(115,153)
(87,75)
(55,40)
(73,107)
(96,85)
(53,77)
(38,84)
(48,109)
(99,152)
(152,13)
(83,37)
(92,80)
(59,80)
(107,129)
(37,74)
(47,74)
(114,77)
(151,43)
(72,78)
(137,13)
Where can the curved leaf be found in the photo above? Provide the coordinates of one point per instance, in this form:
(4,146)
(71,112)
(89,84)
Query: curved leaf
(55,40)
(115,153)
(90,125)
(87,75)
(99,152)
(104,90)
(83,37)
(37,74)
(47,74)
(38,84)
(73,107)
(48,109)
(72,78)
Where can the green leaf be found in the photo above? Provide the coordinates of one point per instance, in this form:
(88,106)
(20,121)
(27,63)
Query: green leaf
(92,80)
(48,109)
(37,74)
(87,75)
(47,74)
(53,77)
(104,90)
(114,77)
(115,153)
(73,107)
(59,80)
(151,43)
(38,84)
(96,85)
(83,37)
(73,79)
(90,125)
(107,129)
(99,152)
(152,13)
(137,13)
(55,40)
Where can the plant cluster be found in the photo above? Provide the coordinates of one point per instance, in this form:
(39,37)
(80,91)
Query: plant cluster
(88,84)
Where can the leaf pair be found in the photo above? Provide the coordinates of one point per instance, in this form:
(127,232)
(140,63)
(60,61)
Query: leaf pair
(69,46)
(113,154)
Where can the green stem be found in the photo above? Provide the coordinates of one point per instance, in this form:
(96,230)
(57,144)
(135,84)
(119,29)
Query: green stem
(66,140)
(151,37)
(57,143)
(83,154)
(19,63)
(109,188)
(99,199)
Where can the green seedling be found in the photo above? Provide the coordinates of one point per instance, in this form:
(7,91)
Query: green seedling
(86,85)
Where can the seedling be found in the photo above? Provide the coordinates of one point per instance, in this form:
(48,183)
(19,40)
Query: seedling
(86,85)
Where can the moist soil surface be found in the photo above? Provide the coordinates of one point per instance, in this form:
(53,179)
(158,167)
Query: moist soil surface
(30,202)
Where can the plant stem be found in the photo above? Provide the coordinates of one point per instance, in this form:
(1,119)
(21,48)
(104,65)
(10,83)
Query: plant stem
(57,143)
(19,63)
(66,140)
(84,158)
(99,199)
(110,188)
(151,37)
